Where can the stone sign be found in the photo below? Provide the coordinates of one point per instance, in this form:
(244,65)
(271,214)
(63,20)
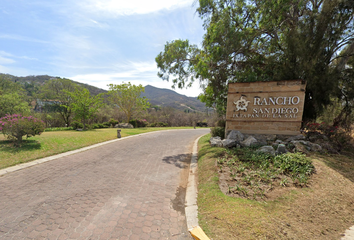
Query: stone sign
(266,107)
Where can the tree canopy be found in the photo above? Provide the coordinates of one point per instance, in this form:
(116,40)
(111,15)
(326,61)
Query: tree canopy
(12,98)
(265,40)
(83,105)
(57,92)
(127,97)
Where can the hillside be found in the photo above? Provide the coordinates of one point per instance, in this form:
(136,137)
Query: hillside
(158,97)
(36,81)
(169,98)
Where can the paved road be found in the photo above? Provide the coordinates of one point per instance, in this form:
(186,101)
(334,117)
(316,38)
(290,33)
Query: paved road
(130,189)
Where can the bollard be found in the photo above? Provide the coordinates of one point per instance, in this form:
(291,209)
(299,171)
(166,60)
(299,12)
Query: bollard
(118,133)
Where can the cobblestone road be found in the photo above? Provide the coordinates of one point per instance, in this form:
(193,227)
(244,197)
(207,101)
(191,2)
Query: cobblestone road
(130,189)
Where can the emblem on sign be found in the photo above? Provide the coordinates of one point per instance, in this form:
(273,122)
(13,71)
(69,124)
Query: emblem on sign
(241,104)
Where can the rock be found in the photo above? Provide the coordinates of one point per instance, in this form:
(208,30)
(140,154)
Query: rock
(300,147)
(250,141)
(315,147)
(235,135)
(296,138)
(229,143)
(281,149)
(271,137)
(267,149)
(261,139)
(215,142)
(124,125)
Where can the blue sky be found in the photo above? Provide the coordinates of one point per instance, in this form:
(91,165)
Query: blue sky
(94,41)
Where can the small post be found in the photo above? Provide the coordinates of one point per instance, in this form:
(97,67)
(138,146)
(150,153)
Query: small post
(118,133)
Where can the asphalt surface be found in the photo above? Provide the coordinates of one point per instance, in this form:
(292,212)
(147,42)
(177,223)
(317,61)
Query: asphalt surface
(129,189)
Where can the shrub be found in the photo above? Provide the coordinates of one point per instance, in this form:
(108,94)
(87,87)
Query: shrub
(107,124)
(134,123)
(142,123)
(113,122)
(15,126)
(76,125)
(158,124)
(218,132)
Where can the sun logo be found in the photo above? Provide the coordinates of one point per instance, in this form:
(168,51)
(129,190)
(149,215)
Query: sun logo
(241,104)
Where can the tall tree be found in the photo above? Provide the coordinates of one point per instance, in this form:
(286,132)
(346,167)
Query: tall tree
(127,97)
(83,105)
(263,40)
(12,98)
(56,94)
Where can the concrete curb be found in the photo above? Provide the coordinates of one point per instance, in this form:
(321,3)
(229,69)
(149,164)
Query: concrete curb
(191,207)
(349,234)
(50,158)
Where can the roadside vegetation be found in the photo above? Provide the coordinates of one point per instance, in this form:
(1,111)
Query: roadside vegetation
(55,142)
(319,206)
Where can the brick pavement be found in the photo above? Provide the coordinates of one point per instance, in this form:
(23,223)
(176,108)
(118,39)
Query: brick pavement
(130,189)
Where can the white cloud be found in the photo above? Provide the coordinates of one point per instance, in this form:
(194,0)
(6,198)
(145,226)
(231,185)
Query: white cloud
(143,73)
(124,8)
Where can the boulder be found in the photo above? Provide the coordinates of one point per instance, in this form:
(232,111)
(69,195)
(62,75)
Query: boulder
(215,142)
(235,135)
(267,149)
(315,147)
(300,146)
(229,143)
(124,125)
(250,141)
(296,138)
(281,149)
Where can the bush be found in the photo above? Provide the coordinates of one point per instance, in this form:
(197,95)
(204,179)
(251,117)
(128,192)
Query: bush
(158,124)
(107,124)
(218,132)
(134,123)
(76,125)
(16,126)
(142,123)
(113,122)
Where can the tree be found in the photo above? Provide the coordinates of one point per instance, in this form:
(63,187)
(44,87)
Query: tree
(56,91)
(12,98)
(263,40)
(83,105)
(127,97)
(16,126)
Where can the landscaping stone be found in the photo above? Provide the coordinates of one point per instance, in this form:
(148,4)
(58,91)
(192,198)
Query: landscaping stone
(267,149)
(315,147)
(295,138)
(215,142)
(281,149)
(124,125)
(229,143)
(250,141)
(236,135)
(300,147)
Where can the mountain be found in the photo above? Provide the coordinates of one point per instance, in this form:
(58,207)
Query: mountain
(168,98)
(37,81)
(157,96)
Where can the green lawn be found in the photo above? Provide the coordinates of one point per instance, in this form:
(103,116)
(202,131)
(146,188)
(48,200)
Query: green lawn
(51,143)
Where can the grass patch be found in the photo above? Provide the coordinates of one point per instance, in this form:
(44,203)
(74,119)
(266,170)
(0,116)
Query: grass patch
(251,174)
(323,210)
(51,143)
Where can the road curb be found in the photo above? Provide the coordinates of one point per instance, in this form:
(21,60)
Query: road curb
(50,158)
(191,207)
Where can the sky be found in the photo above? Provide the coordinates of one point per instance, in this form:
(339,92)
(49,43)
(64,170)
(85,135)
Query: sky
(97,42)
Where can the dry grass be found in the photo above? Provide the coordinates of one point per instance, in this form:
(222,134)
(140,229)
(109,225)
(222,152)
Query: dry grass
(324,210)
